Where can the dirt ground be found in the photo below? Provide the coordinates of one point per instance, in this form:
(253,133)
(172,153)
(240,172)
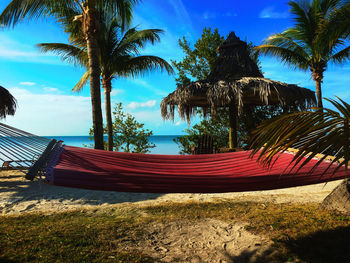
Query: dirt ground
(209,240)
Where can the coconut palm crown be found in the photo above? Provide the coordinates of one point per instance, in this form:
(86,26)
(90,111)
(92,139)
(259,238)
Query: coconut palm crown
(119,57)
(18,10)
(317,38)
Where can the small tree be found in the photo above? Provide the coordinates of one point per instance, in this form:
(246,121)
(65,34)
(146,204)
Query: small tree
(128,134)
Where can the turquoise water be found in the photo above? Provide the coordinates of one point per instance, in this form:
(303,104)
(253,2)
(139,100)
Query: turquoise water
(164,143)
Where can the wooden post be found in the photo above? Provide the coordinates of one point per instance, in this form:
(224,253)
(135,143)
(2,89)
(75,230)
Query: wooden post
(233,125)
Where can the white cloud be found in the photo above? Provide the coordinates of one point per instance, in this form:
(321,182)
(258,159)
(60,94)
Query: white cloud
(178,123)
(49,114)
(17,51)
(116,92)
(27,83)
(50,90)
(146,85)
(213,15)
(147,104)
(182,13)
(269,12)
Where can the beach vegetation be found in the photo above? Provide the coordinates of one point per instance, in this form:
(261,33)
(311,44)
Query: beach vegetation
(119,52)
(88,18)
(298,233)
(129,135)
(317,38)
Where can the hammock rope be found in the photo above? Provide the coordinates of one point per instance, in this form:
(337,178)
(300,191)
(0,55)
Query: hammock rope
(152,173)
(21,150)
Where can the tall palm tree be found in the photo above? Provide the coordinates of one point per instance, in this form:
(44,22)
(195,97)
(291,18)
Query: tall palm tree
(8,103)
(18,10)
(119,57)
(317,38)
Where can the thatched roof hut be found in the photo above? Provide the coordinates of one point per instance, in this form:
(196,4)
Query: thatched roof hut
(8,103)
(234,81)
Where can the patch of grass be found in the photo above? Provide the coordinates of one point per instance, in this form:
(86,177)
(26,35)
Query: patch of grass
(301,233)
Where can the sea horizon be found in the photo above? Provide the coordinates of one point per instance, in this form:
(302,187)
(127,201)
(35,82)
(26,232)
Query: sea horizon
(164,143)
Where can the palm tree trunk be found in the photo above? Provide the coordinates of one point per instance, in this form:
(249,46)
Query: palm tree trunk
(233,125)
(319,94)
(107,85)
(317,75)
(94,67)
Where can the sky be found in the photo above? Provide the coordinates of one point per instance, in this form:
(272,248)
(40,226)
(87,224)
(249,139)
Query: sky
(42,83)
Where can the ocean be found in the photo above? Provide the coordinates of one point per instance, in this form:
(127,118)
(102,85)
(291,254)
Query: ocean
(164,143)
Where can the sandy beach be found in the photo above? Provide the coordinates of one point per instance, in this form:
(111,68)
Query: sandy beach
(18,196)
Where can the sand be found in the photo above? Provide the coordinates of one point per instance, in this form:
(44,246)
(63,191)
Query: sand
(205,240)
(18,196)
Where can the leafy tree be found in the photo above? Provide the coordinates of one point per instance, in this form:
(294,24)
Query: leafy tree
(128,134)
(119,56)
(198,61)
(18,10)
(316,39)
(217,127)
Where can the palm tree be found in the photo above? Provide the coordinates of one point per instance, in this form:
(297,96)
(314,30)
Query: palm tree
(316,39)
(8,103)
(311,132)
(18,10)
(119,57)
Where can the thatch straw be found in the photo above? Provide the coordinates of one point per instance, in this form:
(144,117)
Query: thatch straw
(235,76)
(8,103)
(245,91)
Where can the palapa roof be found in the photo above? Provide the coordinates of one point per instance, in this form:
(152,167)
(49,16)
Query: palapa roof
(235,76)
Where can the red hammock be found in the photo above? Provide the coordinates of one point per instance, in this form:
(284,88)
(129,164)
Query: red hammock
(209,173)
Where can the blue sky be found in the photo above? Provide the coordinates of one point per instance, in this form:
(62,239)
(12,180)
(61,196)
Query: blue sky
(42,83)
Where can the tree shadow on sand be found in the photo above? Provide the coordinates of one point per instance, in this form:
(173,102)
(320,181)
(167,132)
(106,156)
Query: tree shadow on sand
(319,247)
(14,189)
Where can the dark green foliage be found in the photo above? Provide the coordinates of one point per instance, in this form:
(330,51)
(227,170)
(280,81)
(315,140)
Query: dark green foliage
(128,134)
(8,103)
(216,127)
(312,132)
(198,61)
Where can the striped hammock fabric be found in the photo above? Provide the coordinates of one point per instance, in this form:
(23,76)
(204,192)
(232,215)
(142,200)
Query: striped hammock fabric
(150,173)
(208,173)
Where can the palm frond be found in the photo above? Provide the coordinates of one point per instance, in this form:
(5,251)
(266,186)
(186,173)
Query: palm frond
(18,10)
(121,8)
(141,65)
(286,55)
(82,82)
(342,56)
(134,40)
(68,53)
(8,103)
(312,132)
